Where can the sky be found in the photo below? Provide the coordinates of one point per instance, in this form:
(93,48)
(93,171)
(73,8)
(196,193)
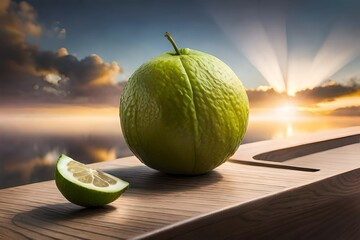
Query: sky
(81,51)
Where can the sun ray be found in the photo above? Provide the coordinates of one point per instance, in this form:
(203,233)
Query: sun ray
(290,60)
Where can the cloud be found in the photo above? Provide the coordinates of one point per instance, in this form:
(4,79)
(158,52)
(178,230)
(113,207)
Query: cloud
(57,30)
(347,111)
(4,5)
(266,98)
(62,33)
(81,74)
(327,92)
(26,72)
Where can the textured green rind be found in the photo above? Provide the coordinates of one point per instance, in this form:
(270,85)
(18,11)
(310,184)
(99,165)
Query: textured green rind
(222,109)
(184,114)
(83,196)
(157,115)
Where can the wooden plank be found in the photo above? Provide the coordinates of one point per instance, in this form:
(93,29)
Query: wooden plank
(285,154)
(158,202)
(306,212)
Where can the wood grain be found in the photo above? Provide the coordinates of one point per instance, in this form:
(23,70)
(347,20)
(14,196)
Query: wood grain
(236,201)
(327,209)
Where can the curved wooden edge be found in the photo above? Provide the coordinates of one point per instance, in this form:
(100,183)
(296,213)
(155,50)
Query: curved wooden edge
(252,151)
(307,212)
(284,154)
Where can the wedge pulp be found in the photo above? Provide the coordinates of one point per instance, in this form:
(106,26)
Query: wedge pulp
(84,186)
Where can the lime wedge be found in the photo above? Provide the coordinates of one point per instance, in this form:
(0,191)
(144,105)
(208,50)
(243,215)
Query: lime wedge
(84,186)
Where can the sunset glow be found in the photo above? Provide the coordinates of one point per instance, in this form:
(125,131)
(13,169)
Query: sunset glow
(286,110)
(64,66)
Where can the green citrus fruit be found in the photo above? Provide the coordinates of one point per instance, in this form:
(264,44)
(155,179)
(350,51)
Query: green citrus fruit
(184,112)
(84,186)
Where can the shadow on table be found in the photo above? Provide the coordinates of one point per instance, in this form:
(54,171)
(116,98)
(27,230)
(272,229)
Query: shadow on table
(62,212)
(64,221)
(142,180)
(149,180)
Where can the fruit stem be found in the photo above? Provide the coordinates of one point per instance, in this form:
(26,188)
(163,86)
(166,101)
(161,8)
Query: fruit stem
(168,36)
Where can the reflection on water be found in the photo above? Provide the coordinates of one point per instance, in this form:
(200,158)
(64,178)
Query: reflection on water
(29,147)
(263,129)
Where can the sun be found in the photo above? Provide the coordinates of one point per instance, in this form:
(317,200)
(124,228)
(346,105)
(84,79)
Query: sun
(286,111)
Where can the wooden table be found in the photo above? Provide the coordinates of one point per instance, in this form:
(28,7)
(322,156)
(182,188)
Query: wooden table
(305,187)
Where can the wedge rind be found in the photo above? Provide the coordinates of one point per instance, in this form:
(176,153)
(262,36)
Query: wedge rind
(85,194)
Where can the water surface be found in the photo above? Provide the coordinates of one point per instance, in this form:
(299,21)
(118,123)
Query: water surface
(30,145)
